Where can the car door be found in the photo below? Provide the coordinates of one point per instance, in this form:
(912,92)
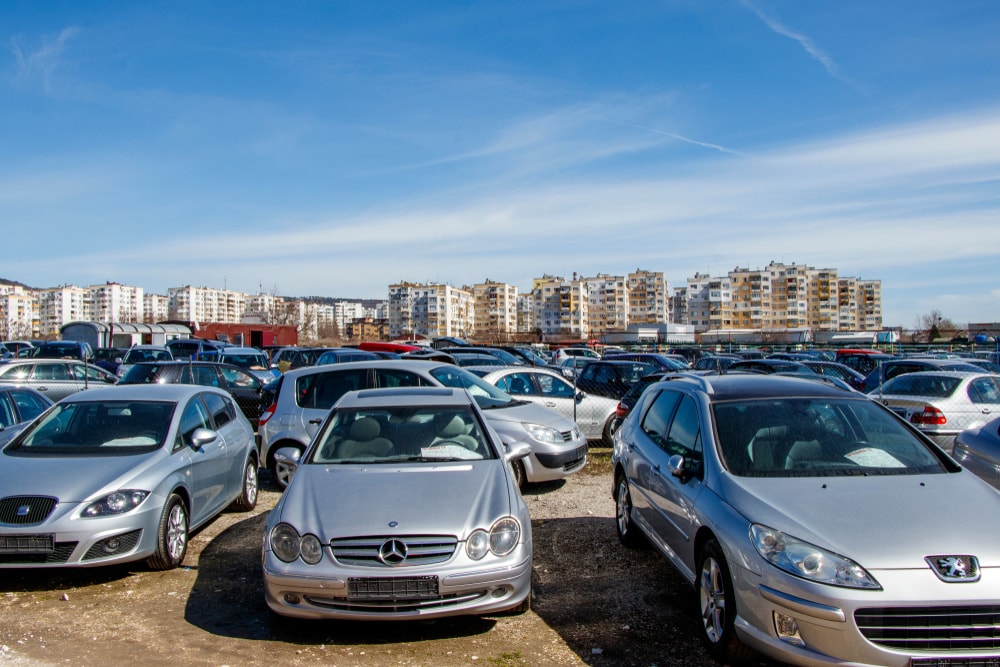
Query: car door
(56,380)
(245,388)
(984,395)
(561,396)
(647,461)
(207,464)
(237,437)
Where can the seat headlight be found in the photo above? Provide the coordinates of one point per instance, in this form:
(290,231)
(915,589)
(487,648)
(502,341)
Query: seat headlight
(115,503)
(808,561)
(544,434)
(285,542)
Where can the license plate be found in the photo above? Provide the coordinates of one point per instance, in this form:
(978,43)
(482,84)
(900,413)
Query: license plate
(392,588)
(26,544)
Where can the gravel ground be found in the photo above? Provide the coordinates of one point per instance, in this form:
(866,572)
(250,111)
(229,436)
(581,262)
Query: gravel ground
(594,603)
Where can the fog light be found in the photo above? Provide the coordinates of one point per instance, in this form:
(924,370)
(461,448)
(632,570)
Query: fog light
(111,545)
(292,598)
(787,629)
(499,592)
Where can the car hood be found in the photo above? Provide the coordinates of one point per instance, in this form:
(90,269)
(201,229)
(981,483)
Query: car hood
(879,521)
(348,500)
(74,478)
(528,412)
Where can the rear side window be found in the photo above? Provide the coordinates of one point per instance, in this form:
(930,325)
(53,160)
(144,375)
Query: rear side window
(220,408)
(389,377)
(656,419)
(28,404)
(322,390)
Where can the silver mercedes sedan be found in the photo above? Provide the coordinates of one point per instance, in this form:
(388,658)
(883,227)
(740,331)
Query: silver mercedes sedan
(123,474)
(403,506)
(816,526)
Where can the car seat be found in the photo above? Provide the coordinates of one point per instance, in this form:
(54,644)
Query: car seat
(365,441)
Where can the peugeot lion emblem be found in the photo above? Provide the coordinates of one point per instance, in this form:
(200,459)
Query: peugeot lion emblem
(955,569)
(392,552)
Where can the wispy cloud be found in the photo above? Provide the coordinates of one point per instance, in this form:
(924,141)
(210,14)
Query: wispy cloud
(804,41)
(40,65)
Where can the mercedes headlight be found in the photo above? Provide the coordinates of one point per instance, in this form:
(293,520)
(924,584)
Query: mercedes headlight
(285,542)
(808,561)
(115,503)
(501,539)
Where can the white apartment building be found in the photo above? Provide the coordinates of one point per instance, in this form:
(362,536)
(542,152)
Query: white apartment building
(60,305)
(525,313)
(155,308)
(18,312)
(205,304)
(114,302)
(430,310)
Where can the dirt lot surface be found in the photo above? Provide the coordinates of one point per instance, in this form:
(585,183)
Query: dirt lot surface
(594,603)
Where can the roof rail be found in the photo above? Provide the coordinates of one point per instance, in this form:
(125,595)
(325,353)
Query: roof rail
(699,380)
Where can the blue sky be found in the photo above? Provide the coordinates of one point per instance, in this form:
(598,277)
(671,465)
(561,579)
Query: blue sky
(332,148)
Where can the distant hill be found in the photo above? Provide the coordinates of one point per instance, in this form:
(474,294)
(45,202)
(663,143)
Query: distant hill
(4,281)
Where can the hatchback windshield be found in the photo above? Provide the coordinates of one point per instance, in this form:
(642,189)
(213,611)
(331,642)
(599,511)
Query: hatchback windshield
(485,394)
(792,437)
(402,434)
(254,361)
(97,427)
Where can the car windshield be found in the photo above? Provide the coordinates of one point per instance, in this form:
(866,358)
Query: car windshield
(87,428)
(136,355)
(797,437)
(930,384)
(485,394)
(402,434)
(254,361)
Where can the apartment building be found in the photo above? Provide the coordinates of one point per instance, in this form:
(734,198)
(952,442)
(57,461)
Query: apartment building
(114,302)
(430,310)
(608,304)
(19,310)
(561,307)
(495,307)
(59,305)
(648,298)
(205,304)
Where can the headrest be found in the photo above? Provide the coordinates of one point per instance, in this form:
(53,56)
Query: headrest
(455,426)
(364,429)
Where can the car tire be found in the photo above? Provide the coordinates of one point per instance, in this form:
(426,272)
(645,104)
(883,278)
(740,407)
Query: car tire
(520,476)
(717,607)
(608,433)
(628,534)
(171,536)
(250,489)
(280,474)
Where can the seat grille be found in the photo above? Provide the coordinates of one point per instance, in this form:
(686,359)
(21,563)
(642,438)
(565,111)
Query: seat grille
(26,510)
(941,629)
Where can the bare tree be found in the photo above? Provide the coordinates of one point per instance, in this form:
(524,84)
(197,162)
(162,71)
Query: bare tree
(935,326)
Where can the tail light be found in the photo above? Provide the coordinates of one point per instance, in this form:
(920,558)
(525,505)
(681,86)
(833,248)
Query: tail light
(267,414)
(621,410)
(931,416)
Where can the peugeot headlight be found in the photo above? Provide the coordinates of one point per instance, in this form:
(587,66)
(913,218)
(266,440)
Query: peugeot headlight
(544,434)
(808,561)
(115,503)
(285,542)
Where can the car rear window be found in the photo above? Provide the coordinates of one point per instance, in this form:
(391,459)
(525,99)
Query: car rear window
(921,385)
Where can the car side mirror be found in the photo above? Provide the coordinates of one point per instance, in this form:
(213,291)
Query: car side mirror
(202,436)
(287,459)
(516,450)
(580,396)
(110,379)
(676,466)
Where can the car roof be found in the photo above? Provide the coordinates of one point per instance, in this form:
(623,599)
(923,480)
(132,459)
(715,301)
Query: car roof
(726,386)
(409,396)
(416,365)
(148,392)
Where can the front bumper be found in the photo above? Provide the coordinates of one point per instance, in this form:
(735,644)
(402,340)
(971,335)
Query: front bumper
(330,590)
(916,619)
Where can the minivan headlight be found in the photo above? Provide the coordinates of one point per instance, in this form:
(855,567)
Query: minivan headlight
(544,434)
(808,561)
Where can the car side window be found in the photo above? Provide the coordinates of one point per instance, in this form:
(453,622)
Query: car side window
(322,390)
(984,390)
(517,384)
(6,412)
(205,376)
(386,377)
(195,416)
(237,379)
(553,386)
(657,417)
(51,372)
(221,410)
(28,404)
(684,437)
(19,372)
